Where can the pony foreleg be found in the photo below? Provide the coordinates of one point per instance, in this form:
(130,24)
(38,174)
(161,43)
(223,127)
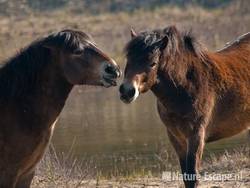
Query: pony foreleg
(180,146)
(195,148)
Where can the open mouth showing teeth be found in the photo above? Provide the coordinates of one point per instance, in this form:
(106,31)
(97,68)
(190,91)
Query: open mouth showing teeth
(107,82)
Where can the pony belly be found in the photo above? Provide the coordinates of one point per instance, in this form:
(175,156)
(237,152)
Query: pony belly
(227,127)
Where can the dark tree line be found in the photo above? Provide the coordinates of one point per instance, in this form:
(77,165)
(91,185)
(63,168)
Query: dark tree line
(100,6)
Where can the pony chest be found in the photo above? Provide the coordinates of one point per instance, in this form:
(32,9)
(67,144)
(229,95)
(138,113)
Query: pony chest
(38,150)
(174,99)
(43,142)
(179,105)
(174,122)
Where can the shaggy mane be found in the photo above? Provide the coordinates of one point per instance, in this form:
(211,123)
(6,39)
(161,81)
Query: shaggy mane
(145,42)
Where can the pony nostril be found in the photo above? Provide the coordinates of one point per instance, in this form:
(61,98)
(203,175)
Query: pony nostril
(110,70)
(121,89)
(131,92)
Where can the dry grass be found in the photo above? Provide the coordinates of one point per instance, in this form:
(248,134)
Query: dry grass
(63,170)
(232,161)
(66,172)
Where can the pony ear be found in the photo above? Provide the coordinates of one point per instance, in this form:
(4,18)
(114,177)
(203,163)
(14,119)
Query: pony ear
(133,33)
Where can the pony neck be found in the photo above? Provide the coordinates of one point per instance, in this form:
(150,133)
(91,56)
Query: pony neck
(160,89)
(52,94)
(171,94)
(34,88)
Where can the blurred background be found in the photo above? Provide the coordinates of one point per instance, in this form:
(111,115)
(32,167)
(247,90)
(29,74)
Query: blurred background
(95,125)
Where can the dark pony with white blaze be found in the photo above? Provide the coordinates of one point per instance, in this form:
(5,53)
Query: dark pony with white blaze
(202,96)
(34,85)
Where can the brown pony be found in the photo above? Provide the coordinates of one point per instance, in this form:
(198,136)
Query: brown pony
(34,86)
(202,96)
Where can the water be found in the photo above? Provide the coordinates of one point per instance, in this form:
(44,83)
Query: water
(97,125)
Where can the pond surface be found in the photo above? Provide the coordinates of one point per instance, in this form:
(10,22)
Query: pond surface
(120,138)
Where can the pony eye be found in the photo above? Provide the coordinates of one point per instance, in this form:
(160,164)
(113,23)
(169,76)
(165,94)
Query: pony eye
(78,51)
(153,64)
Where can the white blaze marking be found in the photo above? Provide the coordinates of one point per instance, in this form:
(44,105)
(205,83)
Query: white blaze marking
(137,93)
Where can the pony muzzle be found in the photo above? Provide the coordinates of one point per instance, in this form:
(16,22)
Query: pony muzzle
(128,92)
(110,73)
